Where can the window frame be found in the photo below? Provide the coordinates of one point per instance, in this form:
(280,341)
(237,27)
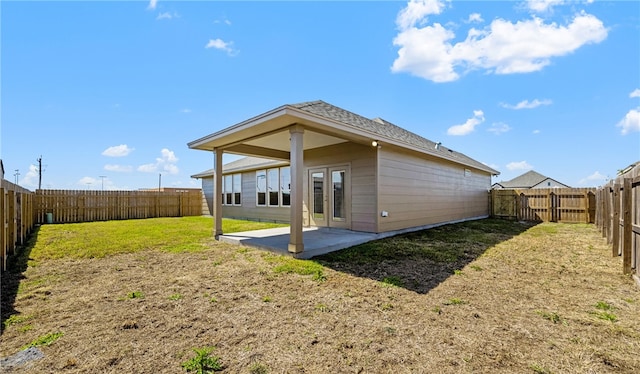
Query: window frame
(229,190)
(237,189)
(264,174)
(282,189)
(271,175)
(271,189)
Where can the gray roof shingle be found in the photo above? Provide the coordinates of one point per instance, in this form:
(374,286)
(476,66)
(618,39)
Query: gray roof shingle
(526,180)
(244,163)
(389,130)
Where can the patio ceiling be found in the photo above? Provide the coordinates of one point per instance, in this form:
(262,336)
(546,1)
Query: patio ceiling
(268,135)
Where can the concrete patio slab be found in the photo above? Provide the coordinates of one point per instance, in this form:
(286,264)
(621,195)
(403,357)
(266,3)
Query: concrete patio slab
(317,240)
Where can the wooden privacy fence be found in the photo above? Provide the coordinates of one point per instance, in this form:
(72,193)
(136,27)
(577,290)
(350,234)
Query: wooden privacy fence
(618,218)
(569,205)
(16,218)
(66,206)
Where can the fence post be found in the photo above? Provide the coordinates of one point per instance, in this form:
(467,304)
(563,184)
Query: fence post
(627,228)
(3,227)
(615,247)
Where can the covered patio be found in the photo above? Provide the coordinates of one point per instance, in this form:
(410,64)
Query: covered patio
(317,240)
(287,133)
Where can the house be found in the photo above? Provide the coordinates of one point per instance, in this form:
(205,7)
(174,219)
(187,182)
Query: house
(329,167)
(530,179)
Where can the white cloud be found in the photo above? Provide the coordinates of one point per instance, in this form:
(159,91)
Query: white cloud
(630,122)
(165,163)
(595,177)
(520,165)
(118,168)
(222,45)
(225,21)
(117,151)
(417,11)
(526,104)
(166,15)
(152,4)
(88,182)
(499,128)
(468,126)
(475,17)
(30,179)
(185,110)
(635,93)
(148,168)
(543,5)
(504,47)
(168,156)
(536,132)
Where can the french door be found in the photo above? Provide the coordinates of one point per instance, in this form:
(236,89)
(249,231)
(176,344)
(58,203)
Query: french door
(330,197)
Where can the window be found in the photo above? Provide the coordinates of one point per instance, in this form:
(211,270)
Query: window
(285,185)
(237,189)
(261,187)
(232,189)
(273,186)
(228,190)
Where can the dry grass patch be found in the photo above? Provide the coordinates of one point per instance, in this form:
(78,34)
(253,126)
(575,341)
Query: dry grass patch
(526,299)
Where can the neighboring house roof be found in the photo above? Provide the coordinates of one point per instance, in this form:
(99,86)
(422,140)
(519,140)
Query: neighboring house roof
(245,163)
(321,115)
(628,168)
(526,180)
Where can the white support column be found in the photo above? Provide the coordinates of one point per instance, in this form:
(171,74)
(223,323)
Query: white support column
(217,193)
(296,243)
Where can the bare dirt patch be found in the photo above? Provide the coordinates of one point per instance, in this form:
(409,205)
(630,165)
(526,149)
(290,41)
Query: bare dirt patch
(547,298)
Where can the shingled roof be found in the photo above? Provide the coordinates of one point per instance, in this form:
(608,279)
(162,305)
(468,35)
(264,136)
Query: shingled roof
(242,164)
(386,129)
(526,180)
(377,128)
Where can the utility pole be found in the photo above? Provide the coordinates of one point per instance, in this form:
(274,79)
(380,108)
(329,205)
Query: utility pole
(159,182)
(40,172)
(102,177)
(16,175)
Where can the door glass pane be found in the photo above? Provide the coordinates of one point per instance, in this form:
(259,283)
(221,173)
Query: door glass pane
(337,182)
(318,194)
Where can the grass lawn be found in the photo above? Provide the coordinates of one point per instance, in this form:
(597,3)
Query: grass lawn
(160,295)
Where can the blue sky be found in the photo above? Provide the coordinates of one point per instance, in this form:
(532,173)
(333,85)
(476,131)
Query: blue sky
(110,93)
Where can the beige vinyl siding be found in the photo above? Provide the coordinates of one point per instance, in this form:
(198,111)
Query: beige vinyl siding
(418,191)
(207,190)
(361,161)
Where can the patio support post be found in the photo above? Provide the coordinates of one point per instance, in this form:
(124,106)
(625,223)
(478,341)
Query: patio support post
(296,244)
(217,193)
